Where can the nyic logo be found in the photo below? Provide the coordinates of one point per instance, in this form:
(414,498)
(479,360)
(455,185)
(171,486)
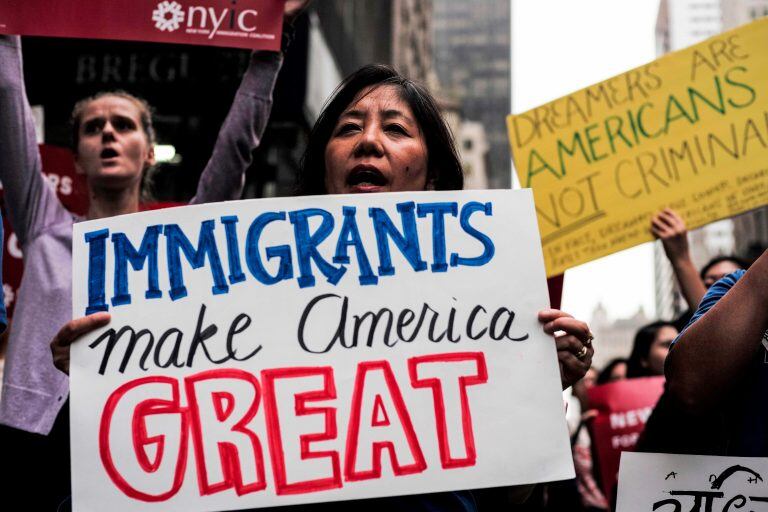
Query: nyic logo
(170,15)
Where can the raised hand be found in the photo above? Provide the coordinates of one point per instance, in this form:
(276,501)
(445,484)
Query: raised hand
(670,228)
(295,7)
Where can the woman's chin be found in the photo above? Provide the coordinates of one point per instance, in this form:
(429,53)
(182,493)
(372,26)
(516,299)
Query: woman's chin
(113,178)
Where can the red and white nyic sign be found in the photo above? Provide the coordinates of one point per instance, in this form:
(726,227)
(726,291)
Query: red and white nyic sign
(313,349)
(254,24)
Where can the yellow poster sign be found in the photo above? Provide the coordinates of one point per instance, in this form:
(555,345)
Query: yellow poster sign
(688,131)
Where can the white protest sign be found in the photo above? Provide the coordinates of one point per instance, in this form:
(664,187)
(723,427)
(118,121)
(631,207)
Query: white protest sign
(694,483)
(313,349)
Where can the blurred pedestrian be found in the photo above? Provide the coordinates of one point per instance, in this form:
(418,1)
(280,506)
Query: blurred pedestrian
(650,349)
(616,369)
(591,498)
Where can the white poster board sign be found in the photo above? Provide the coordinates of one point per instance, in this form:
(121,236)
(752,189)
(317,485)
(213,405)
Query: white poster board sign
(300,350)
(696,483)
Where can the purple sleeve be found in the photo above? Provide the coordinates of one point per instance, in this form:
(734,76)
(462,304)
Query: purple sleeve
(223,176)
(31,203)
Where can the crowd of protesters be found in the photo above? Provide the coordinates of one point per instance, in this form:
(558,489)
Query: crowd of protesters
(379,132)
(712,361)
(711,355)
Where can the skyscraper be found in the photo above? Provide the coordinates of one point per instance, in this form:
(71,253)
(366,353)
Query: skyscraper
(472,59)
(739,12)
(682,23)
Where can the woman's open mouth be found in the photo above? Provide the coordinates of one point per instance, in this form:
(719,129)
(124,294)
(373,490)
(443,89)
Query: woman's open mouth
(109,157)
(366,178)
(109,153)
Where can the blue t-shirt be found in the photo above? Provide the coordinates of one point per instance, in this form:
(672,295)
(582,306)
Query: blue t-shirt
(745,413)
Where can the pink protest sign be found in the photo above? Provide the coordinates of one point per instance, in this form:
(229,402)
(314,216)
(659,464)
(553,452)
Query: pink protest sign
(254,24)
(623,409)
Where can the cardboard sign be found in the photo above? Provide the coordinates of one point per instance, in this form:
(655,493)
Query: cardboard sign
(688,131)
(313,349)
(623,409)
(254,24)
(694,483)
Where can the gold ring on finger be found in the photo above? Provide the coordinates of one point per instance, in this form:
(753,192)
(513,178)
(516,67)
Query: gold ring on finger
(582,353)
(590,338)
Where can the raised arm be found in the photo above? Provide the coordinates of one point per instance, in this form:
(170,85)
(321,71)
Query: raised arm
(224,175)
(670,228)
(29,200)
(241,133)
(718,348)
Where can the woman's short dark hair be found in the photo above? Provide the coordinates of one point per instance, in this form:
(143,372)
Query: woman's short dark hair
(739,262)
(443,165)
(642,348)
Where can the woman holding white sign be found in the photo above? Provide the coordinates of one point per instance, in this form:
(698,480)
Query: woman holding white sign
(383,133)
(113,143)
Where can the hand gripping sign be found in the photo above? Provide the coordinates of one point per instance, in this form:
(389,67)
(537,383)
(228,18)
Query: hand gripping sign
(313,349)
(688,131)
(254,24)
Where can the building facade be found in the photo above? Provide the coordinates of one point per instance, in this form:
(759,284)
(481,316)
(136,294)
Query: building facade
(472,142)
(681,23)
(614,337)
(412,41)
(739,12)
(396,32)
(472,47)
